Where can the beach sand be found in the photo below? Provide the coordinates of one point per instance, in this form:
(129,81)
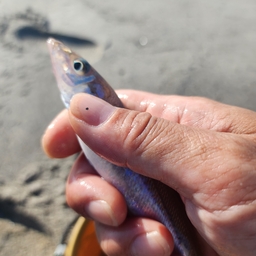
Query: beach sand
(169,47)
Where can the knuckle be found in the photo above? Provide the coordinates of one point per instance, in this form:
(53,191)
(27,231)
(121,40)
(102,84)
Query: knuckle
(142,133)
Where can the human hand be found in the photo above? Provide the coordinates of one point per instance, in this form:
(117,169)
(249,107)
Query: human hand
(203,149)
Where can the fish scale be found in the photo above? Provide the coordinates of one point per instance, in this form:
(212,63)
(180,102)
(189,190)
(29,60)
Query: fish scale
(145,197)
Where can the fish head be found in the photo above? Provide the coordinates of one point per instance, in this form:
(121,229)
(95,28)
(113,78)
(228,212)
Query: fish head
(72,72)
(75,75)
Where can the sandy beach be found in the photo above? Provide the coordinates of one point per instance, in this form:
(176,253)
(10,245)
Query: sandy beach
(168,47)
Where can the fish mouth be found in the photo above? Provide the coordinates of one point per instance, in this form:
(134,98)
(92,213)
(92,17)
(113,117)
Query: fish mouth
(56,46)
(59,54)
(51,41)
(58,51)
(61,57)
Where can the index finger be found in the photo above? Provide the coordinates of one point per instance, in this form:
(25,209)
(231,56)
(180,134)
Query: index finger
(192,111)
(59,139)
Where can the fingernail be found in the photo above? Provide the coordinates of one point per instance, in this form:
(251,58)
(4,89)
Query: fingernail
(151,243)
(90,109)
(101,211)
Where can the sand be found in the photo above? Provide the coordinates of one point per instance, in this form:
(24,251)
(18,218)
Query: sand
(169,47)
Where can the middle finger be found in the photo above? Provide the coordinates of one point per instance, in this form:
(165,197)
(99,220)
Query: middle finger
(91,196)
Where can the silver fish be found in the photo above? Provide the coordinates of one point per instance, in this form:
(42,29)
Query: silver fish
(145,197)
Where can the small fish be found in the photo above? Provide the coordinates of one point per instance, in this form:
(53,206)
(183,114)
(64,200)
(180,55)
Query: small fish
(145,197)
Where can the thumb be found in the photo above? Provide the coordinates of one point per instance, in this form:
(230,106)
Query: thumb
(151,146)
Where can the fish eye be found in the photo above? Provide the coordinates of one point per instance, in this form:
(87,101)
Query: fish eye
(81,66)
(78,65)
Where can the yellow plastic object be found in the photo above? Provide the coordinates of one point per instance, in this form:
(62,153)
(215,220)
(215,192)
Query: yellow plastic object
(83,240)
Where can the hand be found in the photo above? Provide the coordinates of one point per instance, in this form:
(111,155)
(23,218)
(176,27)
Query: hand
(203,149)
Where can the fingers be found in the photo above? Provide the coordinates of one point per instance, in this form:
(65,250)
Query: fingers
(167,151)
(92,196)
(205,167)
(192,111)
(59,140)
(86,193)
(142,101)
(136,236)
(145,143)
